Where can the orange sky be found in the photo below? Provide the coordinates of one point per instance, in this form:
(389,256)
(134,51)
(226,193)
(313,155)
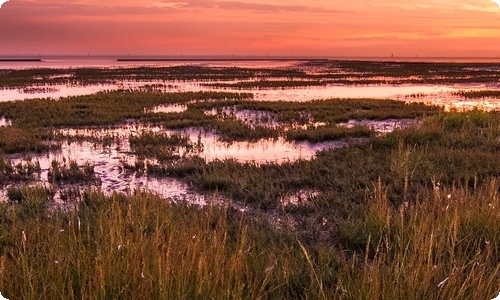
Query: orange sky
(251,27)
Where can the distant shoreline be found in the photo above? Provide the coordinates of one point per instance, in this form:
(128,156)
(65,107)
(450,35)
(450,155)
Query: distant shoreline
(218,59)
(20,59)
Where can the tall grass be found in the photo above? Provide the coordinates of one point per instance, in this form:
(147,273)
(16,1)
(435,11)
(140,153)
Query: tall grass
(444,246)
(138,246)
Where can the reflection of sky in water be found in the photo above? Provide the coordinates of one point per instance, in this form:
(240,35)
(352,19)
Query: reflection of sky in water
(441,95)
(260,152)
(112,63)
(107,161)
(108,166)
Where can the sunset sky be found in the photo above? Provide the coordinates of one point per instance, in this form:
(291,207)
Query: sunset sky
(322,28)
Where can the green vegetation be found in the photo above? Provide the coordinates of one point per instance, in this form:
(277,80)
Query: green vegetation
(314,72)
(118,247)
(449,148)
(87,76)
(329,133)
(25,170)
(329,111)
(101,109)
(14,139)
(69,172)
(33,119)
(163,147)
(412,214)
(478,94)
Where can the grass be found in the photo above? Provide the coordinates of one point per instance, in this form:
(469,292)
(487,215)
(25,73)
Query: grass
(450,148)
(444,246)
(410,214)
(69,172)
(353,72)
(163,147)
(23,171)
(101,109)
(116,247)
(329,133)
(35,120)
(478,94)
(136,245)
(15,139)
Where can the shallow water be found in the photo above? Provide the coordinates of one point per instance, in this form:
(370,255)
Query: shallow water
(109,62)
(262,151)
(441,95)
(107,161)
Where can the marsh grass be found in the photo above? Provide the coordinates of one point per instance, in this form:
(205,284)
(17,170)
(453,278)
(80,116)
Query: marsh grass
(119,247)
(329,133)
(408,215)
(116,247)
(328,110)
(69,172)
(316,72)
(450,148)
(444,246)
(110,108)
(164,147)
(25,170)
(34,120)
(478,94)
(14,139)
(411,214)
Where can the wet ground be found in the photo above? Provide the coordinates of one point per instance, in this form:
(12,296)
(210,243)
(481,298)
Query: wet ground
(108,160)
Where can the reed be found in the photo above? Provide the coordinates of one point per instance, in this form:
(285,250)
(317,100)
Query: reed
(478,94)
(445,245)
(69,172)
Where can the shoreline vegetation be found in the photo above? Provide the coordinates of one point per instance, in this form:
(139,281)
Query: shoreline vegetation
(190,59)
(314,72)
(411,213)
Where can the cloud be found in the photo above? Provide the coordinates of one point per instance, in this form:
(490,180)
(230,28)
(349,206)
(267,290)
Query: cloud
(65,9)
(249,6)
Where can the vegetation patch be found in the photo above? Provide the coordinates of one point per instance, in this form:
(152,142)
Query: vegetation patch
(69,172)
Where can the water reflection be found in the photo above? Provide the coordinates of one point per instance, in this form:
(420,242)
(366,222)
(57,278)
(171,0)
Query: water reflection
(383,126)
(107,160)
(297,94)
(262,151)
(174,108)
(442,95)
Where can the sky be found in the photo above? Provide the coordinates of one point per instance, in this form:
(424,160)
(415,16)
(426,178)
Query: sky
(319,28)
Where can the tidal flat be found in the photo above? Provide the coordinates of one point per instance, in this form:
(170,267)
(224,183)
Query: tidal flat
(226,182)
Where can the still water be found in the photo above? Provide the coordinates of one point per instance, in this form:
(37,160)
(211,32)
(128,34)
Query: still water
(108,160)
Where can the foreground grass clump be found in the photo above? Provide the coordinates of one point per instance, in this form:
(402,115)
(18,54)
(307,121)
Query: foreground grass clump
(119,247)
(444,246)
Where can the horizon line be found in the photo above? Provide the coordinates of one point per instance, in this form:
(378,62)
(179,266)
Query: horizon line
(229,57)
